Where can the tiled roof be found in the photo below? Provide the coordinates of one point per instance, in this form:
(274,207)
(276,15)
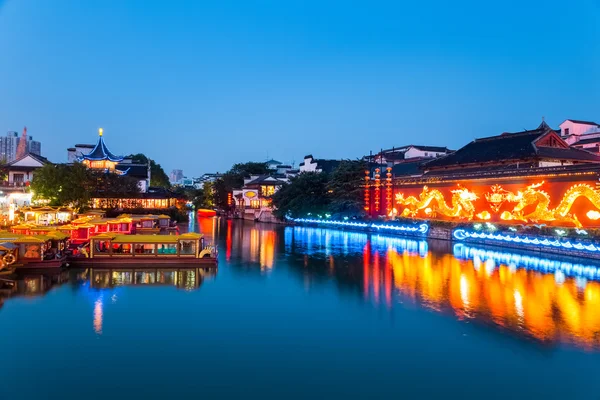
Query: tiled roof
(133,170)
(40,159)
(578,121)
(267,179)
(508,146)
(101,152)
(587,141)
(410,168)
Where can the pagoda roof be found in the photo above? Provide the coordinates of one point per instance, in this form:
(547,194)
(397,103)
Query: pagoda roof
(100,152)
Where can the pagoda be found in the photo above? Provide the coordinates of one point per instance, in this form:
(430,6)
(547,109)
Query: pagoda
(101,157)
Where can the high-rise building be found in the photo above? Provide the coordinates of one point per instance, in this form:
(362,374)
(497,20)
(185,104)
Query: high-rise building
(10,143)
(176,176)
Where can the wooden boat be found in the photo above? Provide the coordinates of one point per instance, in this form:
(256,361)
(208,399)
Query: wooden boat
(40,251)
(109,249)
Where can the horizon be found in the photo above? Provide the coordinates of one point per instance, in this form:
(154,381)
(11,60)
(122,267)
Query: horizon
(285,80)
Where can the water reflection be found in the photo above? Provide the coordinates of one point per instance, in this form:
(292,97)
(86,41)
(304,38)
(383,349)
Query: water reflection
(184,278)
(547,300)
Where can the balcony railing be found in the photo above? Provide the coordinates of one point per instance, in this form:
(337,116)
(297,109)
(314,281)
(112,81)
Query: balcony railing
(6,184)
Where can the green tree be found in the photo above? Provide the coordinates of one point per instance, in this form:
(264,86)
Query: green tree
(63,184)
(304,194)
(346,187)
(158,177)
(109,184)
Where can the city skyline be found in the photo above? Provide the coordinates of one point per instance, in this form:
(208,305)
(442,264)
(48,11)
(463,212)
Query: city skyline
(289,80)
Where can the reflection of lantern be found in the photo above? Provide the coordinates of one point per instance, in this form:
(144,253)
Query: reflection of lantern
(367,198)
(377,191)
(388,191)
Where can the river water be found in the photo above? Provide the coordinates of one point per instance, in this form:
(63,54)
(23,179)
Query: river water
(297,312)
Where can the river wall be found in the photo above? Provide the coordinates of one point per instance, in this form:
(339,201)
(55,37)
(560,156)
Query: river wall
(559,246)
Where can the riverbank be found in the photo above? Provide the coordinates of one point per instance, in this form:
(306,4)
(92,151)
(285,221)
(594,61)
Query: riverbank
(531,239)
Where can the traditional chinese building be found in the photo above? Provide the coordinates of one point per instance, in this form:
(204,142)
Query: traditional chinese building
(524,177)
(581,134)
(99,157)
(252,201)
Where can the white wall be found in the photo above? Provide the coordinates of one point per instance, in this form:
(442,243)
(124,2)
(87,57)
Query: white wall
(309,165)
(577,129)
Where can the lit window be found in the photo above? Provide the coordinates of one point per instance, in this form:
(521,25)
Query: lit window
(254,203)
(267,190)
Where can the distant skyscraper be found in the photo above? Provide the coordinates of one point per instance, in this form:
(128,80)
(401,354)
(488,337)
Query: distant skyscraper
(10,143)
(176,176)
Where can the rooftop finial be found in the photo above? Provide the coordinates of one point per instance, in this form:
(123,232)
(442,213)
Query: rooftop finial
(100,131)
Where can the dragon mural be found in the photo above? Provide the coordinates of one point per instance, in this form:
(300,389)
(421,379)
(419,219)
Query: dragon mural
(542,212)
(462,203)
(531,205)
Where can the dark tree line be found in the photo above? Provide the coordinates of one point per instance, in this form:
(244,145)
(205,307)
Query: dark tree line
(339,194)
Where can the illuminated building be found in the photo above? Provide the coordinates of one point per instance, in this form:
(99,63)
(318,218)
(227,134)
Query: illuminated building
(100,158)
(515,178)
(20,171)
(253,200)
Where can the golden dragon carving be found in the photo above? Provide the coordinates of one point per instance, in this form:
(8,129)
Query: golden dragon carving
(542,212)
(462,203)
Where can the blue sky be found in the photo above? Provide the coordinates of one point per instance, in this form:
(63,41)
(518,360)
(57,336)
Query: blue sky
(200,85)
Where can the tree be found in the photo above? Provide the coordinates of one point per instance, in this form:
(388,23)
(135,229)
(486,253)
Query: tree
(158,177)
(74,185)
(111,184)
(304,194)
(346,187)
(63,184)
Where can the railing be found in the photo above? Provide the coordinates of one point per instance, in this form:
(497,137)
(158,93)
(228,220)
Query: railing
(6,184)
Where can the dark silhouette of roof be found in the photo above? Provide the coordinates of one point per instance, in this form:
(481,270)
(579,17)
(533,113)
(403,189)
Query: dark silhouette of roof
(409,168)
(139,171)
(510,147)
(101,152)
(587,141)
(267,179)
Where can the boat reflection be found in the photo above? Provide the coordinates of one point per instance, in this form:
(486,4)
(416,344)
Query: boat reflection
(184,278)
(546,300)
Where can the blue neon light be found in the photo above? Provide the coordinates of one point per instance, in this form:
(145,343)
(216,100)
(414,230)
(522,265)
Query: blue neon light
(462,234)
(539,264)
(421,228)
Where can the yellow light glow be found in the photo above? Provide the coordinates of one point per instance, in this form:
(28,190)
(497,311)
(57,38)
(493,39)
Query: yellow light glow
(100,132)
(593,215)
(485,215)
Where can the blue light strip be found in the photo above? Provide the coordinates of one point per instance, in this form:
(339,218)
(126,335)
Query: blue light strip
(513,260)
(462,234)
(421,228)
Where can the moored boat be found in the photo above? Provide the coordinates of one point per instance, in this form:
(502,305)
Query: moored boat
(108,249)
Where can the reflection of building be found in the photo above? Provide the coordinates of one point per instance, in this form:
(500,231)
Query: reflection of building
(10,143)
(184,278)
